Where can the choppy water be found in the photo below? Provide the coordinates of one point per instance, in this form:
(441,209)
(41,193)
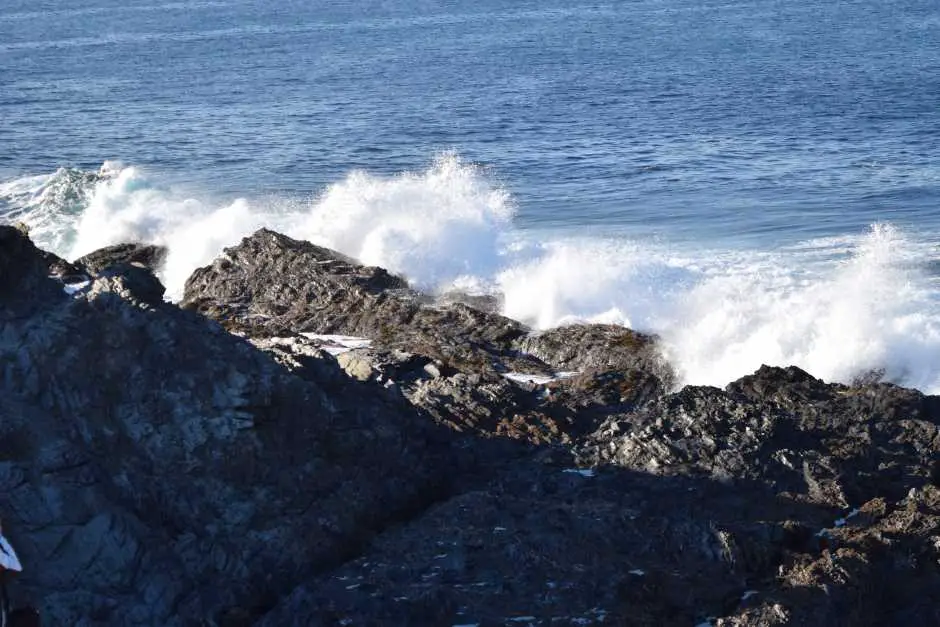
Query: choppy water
(757,181)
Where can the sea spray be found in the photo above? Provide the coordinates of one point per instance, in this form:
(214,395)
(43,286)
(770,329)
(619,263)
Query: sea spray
(837,307)
(436,227)
(439,227)
(837,319)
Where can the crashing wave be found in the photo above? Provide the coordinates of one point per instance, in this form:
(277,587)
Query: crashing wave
(837,307)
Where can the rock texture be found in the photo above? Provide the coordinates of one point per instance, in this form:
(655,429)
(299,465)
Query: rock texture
(146,255)
(157,470)
(446,357)
(216,464)
(272,285)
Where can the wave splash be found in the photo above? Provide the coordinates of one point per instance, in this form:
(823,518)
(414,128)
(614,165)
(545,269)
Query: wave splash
(838,307)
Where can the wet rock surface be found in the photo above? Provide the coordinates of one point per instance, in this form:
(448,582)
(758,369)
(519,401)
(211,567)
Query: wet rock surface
(598,348)
(273,285)
(146,255)
(221,464)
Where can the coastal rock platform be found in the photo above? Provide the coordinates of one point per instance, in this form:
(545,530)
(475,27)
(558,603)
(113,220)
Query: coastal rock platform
(240,458)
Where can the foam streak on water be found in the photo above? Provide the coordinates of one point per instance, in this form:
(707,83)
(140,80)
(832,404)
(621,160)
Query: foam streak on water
(838,307)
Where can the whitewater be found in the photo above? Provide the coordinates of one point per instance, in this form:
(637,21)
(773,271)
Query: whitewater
(863,304)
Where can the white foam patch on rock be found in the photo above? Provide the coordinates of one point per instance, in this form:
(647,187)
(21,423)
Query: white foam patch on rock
(584,472)
(537,379)
(74,288)
(338,344)
(522,377)
(841,522)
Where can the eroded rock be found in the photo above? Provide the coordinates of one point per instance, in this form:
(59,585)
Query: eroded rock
(156,468)
(147,255)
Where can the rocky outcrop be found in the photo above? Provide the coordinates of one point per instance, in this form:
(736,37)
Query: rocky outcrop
(447,358)
(146,255)
(828,443)
(157,470)
(271,285)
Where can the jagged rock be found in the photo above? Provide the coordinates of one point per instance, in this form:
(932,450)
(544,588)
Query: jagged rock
(156,470)
(302,357)
(130,283)
(24,273)
(146,255)
(597,348)
(483,302)
(273,285)
(595,395)
(270,285)
(827,442)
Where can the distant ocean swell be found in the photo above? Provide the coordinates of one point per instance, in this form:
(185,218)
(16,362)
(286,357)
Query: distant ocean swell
(837,307)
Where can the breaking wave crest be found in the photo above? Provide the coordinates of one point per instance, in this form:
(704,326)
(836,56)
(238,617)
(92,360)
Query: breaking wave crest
(838,307)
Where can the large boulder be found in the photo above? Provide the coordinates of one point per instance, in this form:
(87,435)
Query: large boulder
(272,285)
(447,357)
(157,470)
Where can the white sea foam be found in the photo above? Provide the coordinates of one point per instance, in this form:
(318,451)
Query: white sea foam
(837,307)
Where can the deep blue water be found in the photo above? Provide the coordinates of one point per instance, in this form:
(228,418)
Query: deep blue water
(756,181)
(689,118)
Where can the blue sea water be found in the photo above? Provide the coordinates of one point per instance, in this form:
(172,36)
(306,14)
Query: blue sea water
(757,181)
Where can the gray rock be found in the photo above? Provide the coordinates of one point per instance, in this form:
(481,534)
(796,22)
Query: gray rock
(597,348)
(146,255)
(270,285)
(158,470)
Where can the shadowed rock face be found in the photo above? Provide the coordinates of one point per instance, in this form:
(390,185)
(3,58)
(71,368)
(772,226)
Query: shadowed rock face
(24,270)
(156,469)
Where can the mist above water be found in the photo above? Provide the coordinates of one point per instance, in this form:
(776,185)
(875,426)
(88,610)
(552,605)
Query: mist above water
(837,307)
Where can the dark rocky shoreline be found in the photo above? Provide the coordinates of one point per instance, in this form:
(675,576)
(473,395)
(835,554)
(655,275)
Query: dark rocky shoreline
(211,463)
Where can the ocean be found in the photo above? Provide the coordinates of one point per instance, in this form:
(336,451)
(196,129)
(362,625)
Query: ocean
(755,181)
